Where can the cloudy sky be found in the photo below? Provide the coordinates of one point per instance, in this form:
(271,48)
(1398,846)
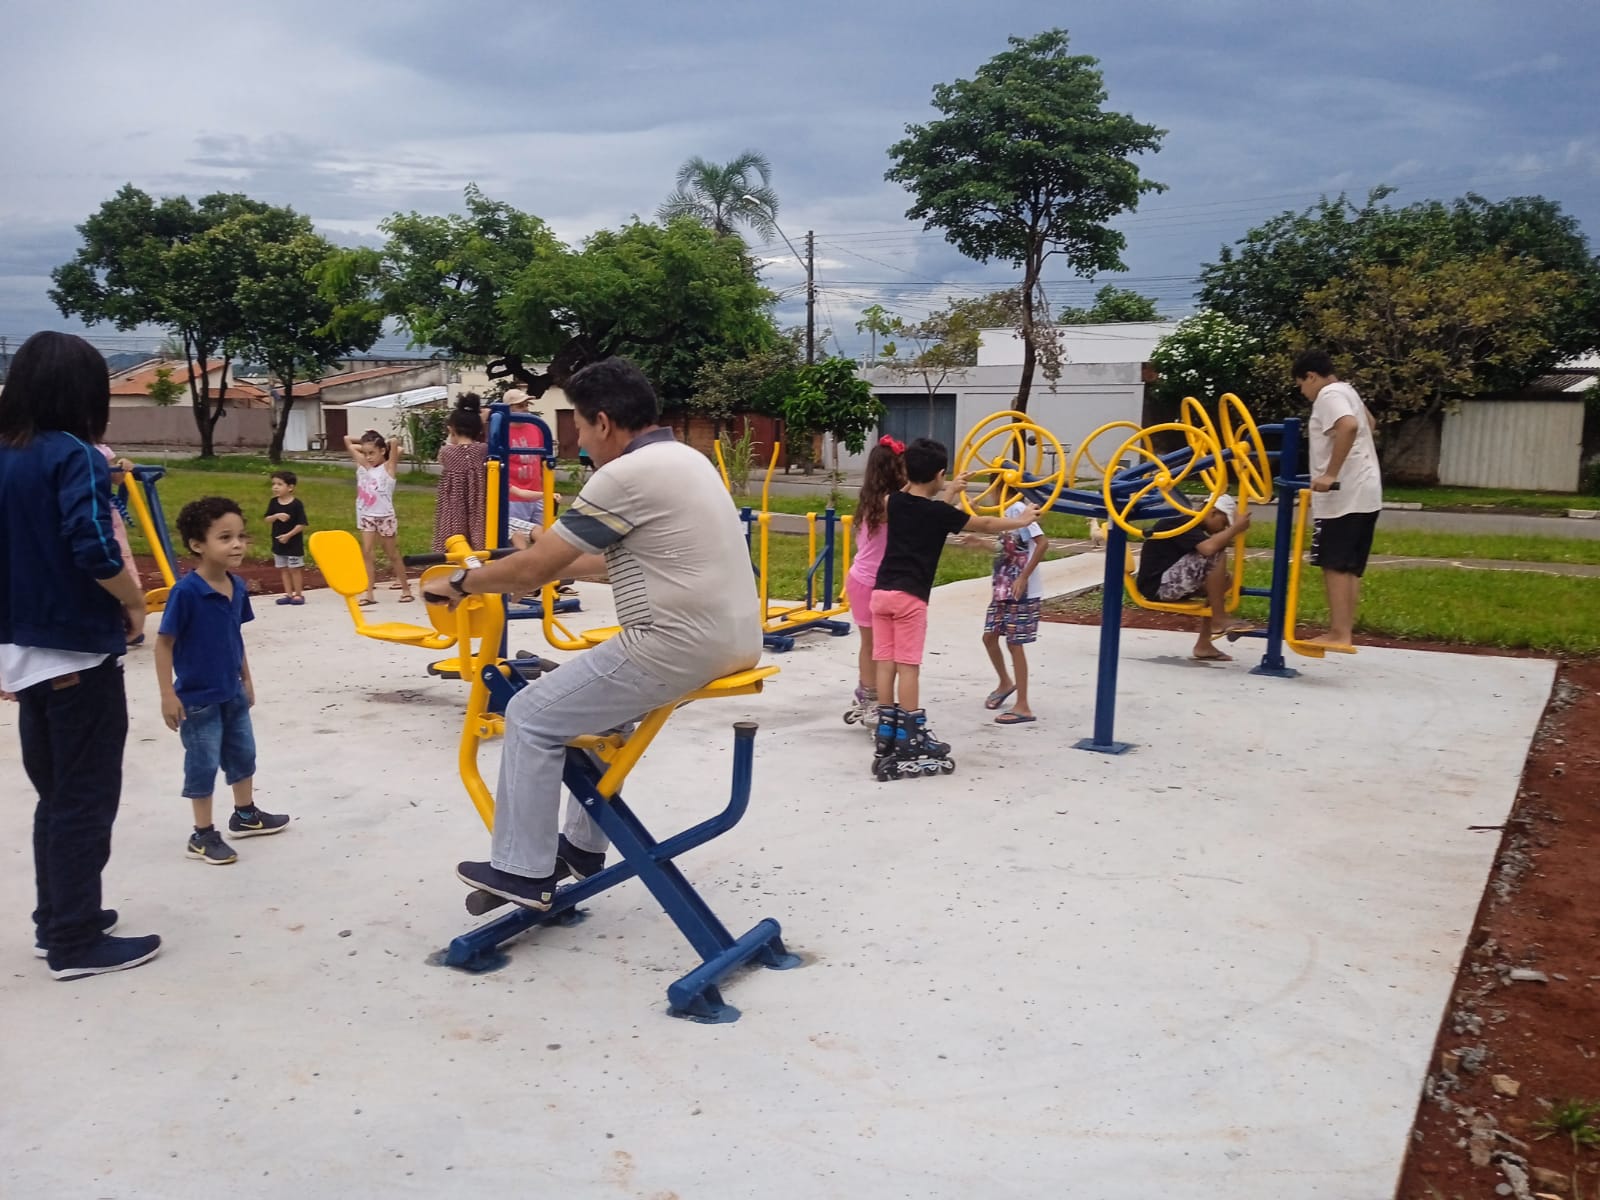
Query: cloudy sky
(581,113)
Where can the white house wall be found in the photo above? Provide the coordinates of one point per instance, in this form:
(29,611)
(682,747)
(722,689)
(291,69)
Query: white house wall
(1086,396)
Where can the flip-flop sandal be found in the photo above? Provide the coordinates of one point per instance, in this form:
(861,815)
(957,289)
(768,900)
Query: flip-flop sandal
(366,603)
(996,698)
(1235,633)
(407,598)
(1011,718)
(1212,657)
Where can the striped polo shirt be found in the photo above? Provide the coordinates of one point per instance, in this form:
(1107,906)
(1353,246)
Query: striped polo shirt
(680,570)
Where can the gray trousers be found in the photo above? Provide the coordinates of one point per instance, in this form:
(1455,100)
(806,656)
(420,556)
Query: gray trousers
(594,691)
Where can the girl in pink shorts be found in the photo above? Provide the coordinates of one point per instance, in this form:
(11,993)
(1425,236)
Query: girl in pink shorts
(886,473)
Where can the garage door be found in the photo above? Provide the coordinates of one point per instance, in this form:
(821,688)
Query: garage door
(906,417)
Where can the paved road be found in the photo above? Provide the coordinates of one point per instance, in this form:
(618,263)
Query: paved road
(1458,522)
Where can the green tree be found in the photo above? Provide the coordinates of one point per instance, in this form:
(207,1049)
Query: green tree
(758,382)
(1264,279)
(446,279)
(670,298)
(1416,339)
(878,322)
(721,195)
(1025,164)
(828,397)
(1112,306)
(496,285)
(176,265)
(164,389)
(294,322)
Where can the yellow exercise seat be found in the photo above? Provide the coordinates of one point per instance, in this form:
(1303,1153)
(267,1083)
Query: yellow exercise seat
(338,556)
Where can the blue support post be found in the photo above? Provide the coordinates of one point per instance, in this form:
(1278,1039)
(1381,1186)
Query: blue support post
(697,995)
(147,477)
(1105,693)
(829,519)
(1272,663)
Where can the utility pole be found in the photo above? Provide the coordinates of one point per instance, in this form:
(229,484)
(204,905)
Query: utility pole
(811,297)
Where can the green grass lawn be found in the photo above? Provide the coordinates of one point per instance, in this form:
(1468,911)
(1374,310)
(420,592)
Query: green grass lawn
(1422,543)
(1451,497)
(258,465)
(329,494)
(1552,613)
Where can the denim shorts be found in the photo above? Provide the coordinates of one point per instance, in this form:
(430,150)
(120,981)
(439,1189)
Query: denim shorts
(216,735)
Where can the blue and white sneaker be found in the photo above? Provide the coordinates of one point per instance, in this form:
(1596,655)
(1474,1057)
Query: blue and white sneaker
(107,955)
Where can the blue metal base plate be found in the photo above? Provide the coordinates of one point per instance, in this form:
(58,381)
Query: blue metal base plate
(1102,747)
(1275,672)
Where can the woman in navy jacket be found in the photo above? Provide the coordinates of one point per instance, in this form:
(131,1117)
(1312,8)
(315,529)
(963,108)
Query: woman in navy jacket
(66,610)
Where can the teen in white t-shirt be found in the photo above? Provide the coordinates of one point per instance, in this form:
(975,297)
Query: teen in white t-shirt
(1342,453)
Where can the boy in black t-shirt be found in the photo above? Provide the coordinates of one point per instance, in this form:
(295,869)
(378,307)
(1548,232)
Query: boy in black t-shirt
(1193,564)
(919,519)
(286,521)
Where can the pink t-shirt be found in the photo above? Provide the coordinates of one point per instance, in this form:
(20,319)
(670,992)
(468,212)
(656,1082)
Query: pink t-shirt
(868,552)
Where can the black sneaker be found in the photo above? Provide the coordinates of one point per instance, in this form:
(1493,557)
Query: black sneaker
(107,955)
(209,848)
(108,922)
(252,822)
(580,864)
(519,889)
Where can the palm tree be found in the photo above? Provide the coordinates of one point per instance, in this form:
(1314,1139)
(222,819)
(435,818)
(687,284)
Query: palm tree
(718,194)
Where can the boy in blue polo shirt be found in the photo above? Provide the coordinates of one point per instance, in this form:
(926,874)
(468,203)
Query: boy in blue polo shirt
(201,641)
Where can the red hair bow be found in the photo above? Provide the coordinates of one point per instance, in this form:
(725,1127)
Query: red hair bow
(897,447)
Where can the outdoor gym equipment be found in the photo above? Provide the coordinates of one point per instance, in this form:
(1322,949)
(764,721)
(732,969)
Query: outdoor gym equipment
(503,449)
(825,601)
(1139,485)
(338,556)
(1288,562)
(141,505)
(596,767)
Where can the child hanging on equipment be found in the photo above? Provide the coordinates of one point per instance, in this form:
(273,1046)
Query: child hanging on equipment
(463,481)
(286,525)
(206,690)
(920,517)
(885,475)
(376,459)
(1014,614)
(1195,564)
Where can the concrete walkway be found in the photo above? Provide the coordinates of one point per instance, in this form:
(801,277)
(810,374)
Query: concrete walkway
(1212,967)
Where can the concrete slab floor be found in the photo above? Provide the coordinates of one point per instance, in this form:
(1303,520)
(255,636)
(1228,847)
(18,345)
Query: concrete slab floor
(1212,967)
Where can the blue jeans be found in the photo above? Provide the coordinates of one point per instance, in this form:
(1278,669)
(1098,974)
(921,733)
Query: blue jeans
(73,730)
(216,735)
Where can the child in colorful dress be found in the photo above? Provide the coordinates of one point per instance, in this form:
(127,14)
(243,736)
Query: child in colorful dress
(885,475)
(1013,614)
(376,459)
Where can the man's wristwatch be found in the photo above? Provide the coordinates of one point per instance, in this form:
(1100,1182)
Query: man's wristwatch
(458,581)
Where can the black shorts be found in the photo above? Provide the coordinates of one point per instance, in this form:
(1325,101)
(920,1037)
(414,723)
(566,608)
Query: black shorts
(1343,543)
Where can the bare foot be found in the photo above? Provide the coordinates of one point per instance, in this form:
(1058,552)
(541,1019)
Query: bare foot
(1327,639)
